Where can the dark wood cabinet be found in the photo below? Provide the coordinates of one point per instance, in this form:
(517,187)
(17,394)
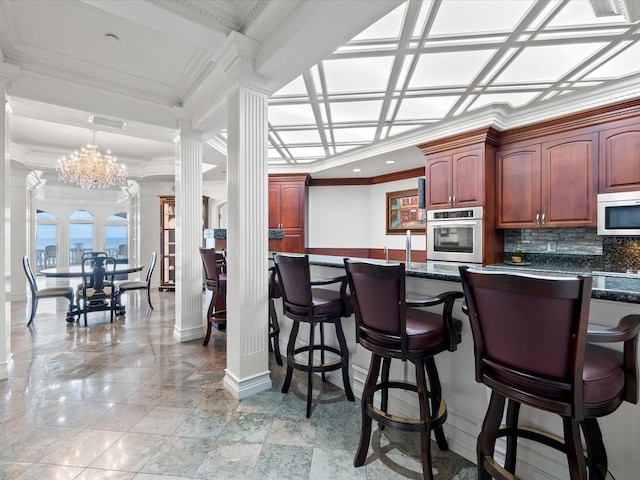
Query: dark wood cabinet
(461,172)
(518,182)
(455,180)
(168,239)
(287,211)
(620,159)
(549,184)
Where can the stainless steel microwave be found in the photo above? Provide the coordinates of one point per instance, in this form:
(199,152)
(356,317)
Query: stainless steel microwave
(619,214)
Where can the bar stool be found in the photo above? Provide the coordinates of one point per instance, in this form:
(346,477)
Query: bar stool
(532,348)
(214,265)
(274,327)
(303,302)
(390,330)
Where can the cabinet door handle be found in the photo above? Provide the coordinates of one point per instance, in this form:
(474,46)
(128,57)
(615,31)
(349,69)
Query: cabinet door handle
(537,219)
(543,219)
(450,200)
(454,200)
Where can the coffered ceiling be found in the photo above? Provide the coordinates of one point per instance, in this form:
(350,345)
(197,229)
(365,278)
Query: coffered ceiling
(351,79)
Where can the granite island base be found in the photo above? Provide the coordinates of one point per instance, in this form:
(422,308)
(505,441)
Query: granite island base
(467,400)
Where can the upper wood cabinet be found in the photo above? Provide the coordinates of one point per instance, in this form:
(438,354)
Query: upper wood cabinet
(552,184)
(287,211)
(455,180)
(620,159)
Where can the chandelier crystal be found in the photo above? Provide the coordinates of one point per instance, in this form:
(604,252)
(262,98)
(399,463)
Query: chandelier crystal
(90,169)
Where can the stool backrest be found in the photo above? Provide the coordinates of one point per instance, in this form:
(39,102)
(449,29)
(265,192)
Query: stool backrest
(530,336)
(295,281)
(213,263)
(378,299)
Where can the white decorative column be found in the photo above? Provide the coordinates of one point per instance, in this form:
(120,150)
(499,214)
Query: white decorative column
(6,358)
(247,244)
(188,324)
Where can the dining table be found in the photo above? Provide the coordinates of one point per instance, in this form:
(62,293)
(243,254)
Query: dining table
(98,274)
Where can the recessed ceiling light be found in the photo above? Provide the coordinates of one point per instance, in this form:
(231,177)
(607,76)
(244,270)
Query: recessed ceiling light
(112,37)
(390,161)
(357,169)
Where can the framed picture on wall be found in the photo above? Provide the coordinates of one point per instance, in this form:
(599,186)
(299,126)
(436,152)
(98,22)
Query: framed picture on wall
(404,214)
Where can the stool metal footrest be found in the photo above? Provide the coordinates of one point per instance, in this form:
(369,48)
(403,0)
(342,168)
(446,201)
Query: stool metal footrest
(329,366)
(406,423)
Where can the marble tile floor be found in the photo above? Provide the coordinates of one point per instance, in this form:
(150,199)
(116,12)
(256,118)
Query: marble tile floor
(127,401)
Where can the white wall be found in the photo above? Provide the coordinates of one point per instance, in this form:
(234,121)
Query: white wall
(150,191)
(18,233)
(355,216)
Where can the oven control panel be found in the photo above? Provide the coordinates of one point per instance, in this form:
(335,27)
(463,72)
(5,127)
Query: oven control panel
(454,213)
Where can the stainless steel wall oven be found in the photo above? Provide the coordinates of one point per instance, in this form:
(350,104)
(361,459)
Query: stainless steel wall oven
(455,235)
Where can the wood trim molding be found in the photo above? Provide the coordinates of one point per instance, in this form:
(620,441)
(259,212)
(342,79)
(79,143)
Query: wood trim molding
(597,117)
(334,182)
(468,139)
(390,177)
(290,177)
(396,255)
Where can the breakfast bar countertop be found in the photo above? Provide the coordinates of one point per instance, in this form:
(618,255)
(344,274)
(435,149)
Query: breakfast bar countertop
(612,286)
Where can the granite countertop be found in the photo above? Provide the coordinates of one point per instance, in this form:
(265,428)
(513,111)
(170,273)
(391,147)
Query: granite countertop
(221,234)
(617,287)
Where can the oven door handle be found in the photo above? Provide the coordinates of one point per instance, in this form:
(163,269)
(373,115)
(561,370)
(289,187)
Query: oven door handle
(454,224)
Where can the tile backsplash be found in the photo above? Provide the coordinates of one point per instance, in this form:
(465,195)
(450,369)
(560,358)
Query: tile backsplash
(567,241)
(575,246)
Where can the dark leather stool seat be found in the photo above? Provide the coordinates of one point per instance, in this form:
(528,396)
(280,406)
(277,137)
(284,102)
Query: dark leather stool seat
(304,302)
(530,335)
(390,330)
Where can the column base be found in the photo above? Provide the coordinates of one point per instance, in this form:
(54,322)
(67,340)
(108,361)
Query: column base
(247,387)
(5,368)
(188,334)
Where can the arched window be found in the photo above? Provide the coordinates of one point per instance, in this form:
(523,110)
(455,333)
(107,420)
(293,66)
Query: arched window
(116,235)
(46,239)
(81,235)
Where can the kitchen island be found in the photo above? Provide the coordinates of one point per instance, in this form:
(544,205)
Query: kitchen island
(613,296)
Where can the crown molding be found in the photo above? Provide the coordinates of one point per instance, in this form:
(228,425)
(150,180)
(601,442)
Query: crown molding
(98,78)
(209,16)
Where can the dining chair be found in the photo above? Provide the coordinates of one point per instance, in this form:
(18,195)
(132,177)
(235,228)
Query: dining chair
(124,286)
(123,251)
(49,292)
(533,348)
(91,254)
(305,303)
(390,327)
(50,255)
(99,291)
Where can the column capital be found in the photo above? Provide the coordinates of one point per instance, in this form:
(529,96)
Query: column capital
(236,48)
(185,130)
(236,60)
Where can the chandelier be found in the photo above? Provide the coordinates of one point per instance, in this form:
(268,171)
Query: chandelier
(90,169)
